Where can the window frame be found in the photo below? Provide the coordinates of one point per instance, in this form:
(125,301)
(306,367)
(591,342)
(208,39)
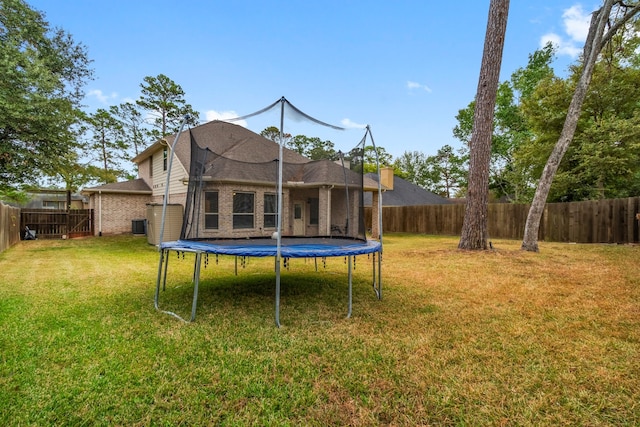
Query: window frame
(165,156)
(273,216)
(211,214)
(314,211)
(238,217)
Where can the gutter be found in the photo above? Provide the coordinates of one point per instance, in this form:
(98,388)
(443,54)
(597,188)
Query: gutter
(142,192)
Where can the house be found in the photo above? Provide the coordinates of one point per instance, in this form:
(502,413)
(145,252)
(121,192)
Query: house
(116,205)
(239,187)
(53,199)
(399,192)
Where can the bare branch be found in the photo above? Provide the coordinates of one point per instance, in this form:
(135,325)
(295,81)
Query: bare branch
(621,22)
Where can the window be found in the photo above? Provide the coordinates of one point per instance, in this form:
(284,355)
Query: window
(54,204)
(314,211)
(164,159)
(151,165)
(243,210)
(211,210)
(270,209)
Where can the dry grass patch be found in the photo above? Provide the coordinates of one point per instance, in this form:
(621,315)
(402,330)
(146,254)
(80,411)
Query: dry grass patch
(460,338)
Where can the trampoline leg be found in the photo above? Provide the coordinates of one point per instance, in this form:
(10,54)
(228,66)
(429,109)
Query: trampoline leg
(380,275)
(277,291)
(159,279)
(350,289)
(166,266)
(196,282)
(377,284)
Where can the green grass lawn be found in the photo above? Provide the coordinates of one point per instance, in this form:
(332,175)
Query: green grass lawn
(459,338)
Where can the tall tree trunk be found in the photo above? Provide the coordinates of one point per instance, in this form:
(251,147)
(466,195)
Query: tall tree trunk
(474,228)
(592,48)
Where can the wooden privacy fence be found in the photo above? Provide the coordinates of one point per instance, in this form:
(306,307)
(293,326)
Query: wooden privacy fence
(9,226)
(57,224)
(597,221)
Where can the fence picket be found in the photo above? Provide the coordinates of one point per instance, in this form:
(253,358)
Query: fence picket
(9,226)
(594,221)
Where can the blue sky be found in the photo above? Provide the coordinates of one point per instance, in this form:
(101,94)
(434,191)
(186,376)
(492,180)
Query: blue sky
(403,67)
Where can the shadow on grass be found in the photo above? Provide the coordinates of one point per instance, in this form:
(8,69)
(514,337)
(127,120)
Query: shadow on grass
(303,290)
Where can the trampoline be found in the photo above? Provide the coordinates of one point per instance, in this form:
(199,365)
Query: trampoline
(333,189)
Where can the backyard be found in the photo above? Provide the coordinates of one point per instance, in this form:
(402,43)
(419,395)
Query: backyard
(459,338)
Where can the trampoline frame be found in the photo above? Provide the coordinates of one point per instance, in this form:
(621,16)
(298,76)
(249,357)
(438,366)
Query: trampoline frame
(286,251)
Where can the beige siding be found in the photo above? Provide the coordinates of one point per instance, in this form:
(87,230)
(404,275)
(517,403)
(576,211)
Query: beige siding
(159,179)
(144,171)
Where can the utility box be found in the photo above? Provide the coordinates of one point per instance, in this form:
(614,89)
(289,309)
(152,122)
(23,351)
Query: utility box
(172,223)
(138,227)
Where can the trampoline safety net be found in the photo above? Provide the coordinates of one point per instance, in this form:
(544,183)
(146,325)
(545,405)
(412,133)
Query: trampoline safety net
(233,194)
(247,195)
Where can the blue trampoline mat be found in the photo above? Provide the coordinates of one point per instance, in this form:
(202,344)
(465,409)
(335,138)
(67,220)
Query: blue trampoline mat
(291,247)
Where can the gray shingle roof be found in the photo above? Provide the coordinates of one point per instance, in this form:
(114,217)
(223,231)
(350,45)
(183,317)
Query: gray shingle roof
(239,154)
(405,193)
(233,142)
(133,186)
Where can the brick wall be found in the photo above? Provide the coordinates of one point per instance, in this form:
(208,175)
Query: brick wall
(113,215)
(225,211)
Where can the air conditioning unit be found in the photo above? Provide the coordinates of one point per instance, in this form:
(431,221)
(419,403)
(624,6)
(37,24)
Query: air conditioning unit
(139,227)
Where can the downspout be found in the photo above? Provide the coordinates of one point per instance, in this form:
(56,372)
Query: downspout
(328,224)
(100,213)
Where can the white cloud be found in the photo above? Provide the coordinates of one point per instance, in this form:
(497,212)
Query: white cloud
(414,85)
(224,116)
(563,47)
(103,98)
(349,124)
(576,23)
(576,27)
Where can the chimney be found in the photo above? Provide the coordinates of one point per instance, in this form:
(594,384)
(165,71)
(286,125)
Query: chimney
(386,177)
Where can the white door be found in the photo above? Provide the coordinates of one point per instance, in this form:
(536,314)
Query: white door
(298,219)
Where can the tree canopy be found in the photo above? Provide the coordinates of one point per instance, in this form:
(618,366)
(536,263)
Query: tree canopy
(509,178)
(606,23)
(41,80)
(164,100)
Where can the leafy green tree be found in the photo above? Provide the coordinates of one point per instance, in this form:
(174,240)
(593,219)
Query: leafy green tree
(133,125)
(72,168)
(508,178)
(107,145)
(72,172)
(41,79)
(412,166)
(604,28)
(446,172)
(273,133)
(313,147)
(163,99)
(384,158)
(602,161)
